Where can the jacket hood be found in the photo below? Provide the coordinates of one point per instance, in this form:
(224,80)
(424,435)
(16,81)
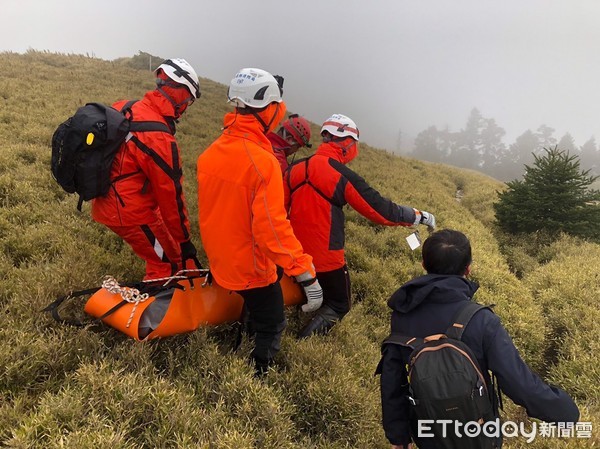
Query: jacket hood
(434,288)
(247,127)
(159,103)
(332,150)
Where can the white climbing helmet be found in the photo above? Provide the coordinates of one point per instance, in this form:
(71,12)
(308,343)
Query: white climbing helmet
(254,88)
(180,71)
(341,126)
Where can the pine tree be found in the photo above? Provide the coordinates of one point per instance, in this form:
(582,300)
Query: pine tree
(553,196)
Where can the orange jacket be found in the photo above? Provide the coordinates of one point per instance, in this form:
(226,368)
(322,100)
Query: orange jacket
(242,220)
(317,188)
(145,182)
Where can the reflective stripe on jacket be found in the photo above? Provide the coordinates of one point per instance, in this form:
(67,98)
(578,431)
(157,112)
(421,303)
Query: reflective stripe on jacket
(144,182)
(317,188)
(242,219)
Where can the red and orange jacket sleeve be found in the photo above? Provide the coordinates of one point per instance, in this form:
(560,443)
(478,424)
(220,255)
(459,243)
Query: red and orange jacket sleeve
(369,203)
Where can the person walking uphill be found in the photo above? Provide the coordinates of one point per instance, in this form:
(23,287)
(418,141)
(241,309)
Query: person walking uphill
(293,134)
(243,223)
(430,305)
(316,190)
(145,205)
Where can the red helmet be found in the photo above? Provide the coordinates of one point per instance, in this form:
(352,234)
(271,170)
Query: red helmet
(299,129)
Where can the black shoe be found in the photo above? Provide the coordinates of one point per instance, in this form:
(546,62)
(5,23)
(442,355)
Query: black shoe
(321,323)
(261,368)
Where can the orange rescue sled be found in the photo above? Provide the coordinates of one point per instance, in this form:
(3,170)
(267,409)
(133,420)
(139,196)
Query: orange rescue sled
(177,310)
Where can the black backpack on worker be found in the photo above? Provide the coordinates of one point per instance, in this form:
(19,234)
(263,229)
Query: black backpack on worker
(85,145)
(446,383)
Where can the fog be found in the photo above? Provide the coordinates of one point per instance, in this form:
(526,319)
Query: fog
(394,66)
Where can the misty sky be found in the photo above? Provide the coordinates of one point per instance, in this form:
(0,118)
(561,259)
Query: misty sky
(391,65)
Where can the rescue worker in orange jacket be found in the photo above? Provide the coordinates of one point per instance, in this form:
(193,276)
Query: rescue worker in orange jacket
(146,206)
(293,134)
(243,224)
(316,190)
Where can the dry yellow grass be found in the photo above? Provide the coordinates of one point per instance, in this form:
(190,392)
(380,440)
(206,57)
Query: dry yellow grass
(84,388)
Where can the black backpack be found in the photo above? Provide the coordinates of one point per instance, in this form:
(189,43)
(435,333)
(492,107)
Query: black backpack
(85,145)
(446,383)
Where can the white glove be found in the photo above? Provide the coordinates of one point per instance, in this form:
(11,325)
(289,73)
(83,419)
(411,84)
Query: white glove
(428,220)
(312,291)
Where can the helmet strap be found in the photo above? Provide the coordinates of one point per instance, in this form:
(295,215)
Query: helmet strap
(262,122)
(293,158)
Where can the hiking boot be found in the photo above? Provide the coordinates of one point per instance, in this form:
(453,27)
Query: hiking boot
(321,323)
(261,367)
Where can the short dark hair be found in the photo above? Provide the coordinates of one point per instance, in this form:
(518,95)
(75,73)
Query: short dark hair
(446,252)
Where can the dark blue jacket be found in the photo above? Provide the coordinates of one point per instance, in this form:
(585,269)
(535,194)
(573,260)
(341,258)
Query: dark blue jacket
(426,306)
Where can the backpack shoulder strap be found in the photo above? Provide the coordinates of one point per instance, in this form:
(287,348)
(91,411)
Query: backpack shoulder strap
(142,126)
(403,340)
(462,318)
(148,126)
(127,106)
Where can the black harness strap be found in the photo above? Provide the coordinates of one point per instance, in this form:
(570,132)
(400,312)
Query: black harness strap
(307,181)
(173,173)
(53,307)
(177,168)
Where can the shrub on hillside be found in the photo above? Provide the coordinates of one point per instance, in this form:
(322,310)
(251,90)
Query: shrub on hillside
(553,196)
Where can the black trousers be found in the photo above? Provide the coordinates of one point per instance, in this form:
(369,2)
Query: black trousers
(266,317)
(336,290)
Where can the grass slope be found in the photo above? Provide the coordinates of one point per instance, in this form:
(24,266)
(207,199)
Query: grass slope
(87,388)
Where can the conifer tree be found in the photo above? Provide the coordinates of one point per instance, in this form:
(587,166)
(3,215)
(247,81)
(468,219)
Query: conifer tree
(553,196)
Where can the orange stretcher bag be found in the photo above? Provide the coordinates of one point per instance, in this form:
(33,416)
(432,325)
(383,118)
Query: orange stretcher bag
(179,307)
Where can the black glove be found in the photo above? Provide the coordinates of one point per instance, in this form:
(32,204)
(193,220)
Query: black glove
(188,251)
